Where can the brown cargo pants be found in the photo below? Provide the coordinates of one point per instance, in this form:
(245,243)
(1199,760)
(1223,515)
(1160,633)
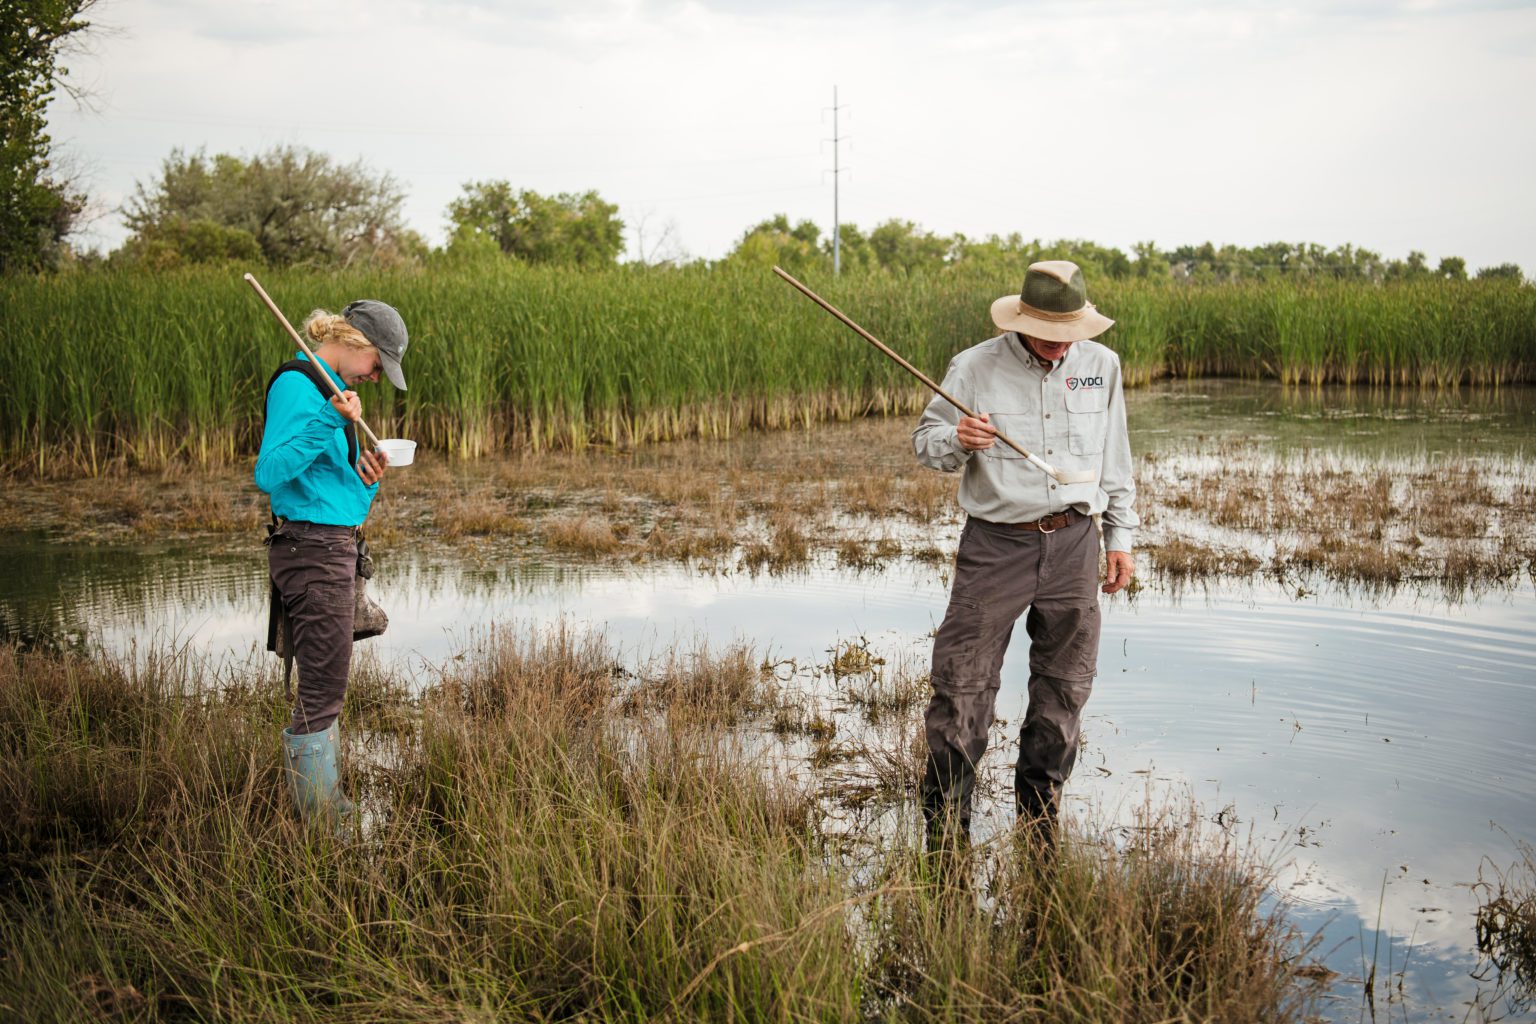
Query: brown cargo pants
(1000,573)
(314,569)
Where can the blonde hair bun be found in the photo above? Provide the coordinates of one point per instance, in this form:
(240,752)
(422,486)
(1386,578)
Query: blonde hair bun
(325,328)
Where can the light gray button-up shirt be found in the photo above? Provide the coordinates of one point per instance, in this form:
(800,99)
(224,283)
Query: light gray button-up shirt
(1071,414)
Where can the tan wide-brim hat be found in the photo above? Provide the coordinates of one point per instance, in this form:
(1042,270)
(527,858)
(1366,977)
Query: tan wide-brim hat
(1052,306)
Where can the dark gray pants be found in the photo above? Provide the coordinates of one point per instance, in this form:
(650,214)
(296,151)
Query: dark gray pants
(1000,573)
(314,569)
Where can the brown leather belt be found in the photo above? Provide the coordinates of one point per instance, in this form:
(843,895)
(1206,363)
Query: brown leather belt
(1048,524)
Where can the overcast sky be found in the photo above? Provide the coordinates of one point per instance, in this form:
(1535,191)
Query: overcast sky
(1389,125)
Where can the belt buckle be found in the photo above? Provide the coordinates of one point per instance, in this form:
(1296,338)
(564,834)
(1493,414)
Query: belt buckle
(1062,519)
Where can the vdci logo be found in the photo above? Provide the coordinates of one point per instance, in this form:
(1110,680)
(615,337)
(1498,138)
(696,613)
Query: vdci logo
(1073,383)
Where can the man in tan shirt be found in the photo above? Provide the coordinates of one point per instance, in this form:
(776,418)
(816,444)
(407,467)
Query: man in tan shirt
(1029,544)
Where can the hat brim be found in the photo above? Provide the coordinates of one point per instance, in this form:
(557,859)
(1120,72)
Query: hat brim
(1008,316)
(392,369)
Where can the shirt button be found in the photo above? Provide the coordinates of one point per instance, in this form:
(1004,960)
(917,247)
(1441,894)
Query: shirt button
(1053,487)
(1050,451)
(1047,415)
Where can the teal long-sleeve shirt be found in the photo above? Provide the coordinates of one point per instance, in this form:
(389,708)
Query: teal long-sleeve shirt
(303,461)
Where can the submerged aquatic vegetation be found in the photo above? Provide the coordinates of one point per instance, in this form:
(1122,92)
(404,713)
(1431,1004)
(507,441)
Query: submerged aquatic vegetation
(532,849)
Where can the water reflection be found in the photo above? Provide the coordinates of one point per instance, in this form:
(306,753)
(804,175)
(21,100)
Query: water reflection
(1365,421)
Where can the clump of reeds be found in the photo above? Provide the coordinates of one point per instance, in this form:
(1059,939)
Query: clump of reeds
(583,535)
(882,689)
(531,849)
(1506,924)
(474,512)
(517,360)
(697,683)
(1181,560)
(1171,917)
(786,548)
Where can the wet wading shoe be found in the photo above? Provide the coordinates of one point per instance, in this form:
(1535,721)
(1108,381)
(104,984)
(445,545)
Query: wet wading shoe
(310,763)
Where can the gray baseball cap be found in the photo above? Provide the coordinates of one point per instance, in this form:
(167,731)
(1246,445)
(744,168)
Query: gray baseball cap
(382,326)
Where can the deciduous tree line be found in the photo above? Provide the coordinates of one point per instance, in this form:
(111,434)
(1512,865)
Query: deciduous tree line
(290,206)
(903,247)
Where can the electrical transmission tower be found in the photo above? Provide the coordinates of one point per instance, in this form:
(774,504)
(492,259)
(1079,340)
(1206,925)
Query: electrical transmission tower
(837,232)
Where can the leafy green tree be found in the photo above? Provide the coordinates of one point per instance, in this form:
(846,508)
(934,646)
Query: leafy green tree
(1270,260)
(37,209)
(298,206)
(1149,262)
(1502,272)
(1097,261)
(180,241)
(1307,258)
(1453,268)
(568,229)
(775,242)
(995,258)
(1414,268)
(1351,263)
(1006,257)
(855,254)
(901,245)
(1226,263)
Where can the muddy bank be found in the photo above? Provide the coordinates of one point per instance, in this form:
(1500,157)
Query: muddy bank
(1213,507)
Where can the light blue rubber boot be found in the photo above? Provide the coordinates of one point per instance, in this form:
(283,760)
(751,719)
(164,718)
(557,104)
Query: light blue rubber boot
(310,759)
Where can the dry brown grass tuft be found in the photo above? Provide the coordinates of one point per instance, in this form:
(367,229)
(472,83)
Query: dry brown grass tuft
(584,535)
(697,683)
(870,493)
(786,549)
(1345,558)
(674,538)
(885,693)
(1182,559)
(480,514)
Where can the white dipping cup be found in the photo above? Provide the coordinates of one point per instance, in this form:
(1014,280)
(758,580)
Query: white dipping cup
(399,452)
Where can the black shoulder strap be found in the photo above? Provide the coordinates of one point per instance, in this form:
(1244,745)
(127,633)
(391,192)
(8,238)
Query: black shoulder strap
(317,378)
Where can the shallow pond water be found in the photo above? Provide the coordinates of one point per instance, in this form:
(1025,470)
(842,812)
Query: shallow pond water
(1376,747)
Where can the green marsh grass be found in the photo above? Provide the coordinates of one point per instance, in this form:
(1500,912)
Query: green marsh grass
(533,851)
(113,368)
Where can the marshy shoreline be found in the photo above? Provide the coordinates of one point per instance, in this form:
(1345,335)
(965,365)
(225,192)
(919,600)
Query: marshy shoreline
(545,837)
(556,829)
(1213,508)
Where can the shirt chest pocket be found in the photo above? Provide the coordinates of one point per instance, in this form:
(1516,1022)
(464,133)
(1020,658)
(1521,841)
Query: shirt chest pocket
(1020,425)
(1087,418)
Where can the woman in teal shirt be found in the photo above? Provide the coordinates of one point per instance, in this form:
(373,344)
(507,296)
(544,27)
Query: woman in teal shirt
(322,483)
